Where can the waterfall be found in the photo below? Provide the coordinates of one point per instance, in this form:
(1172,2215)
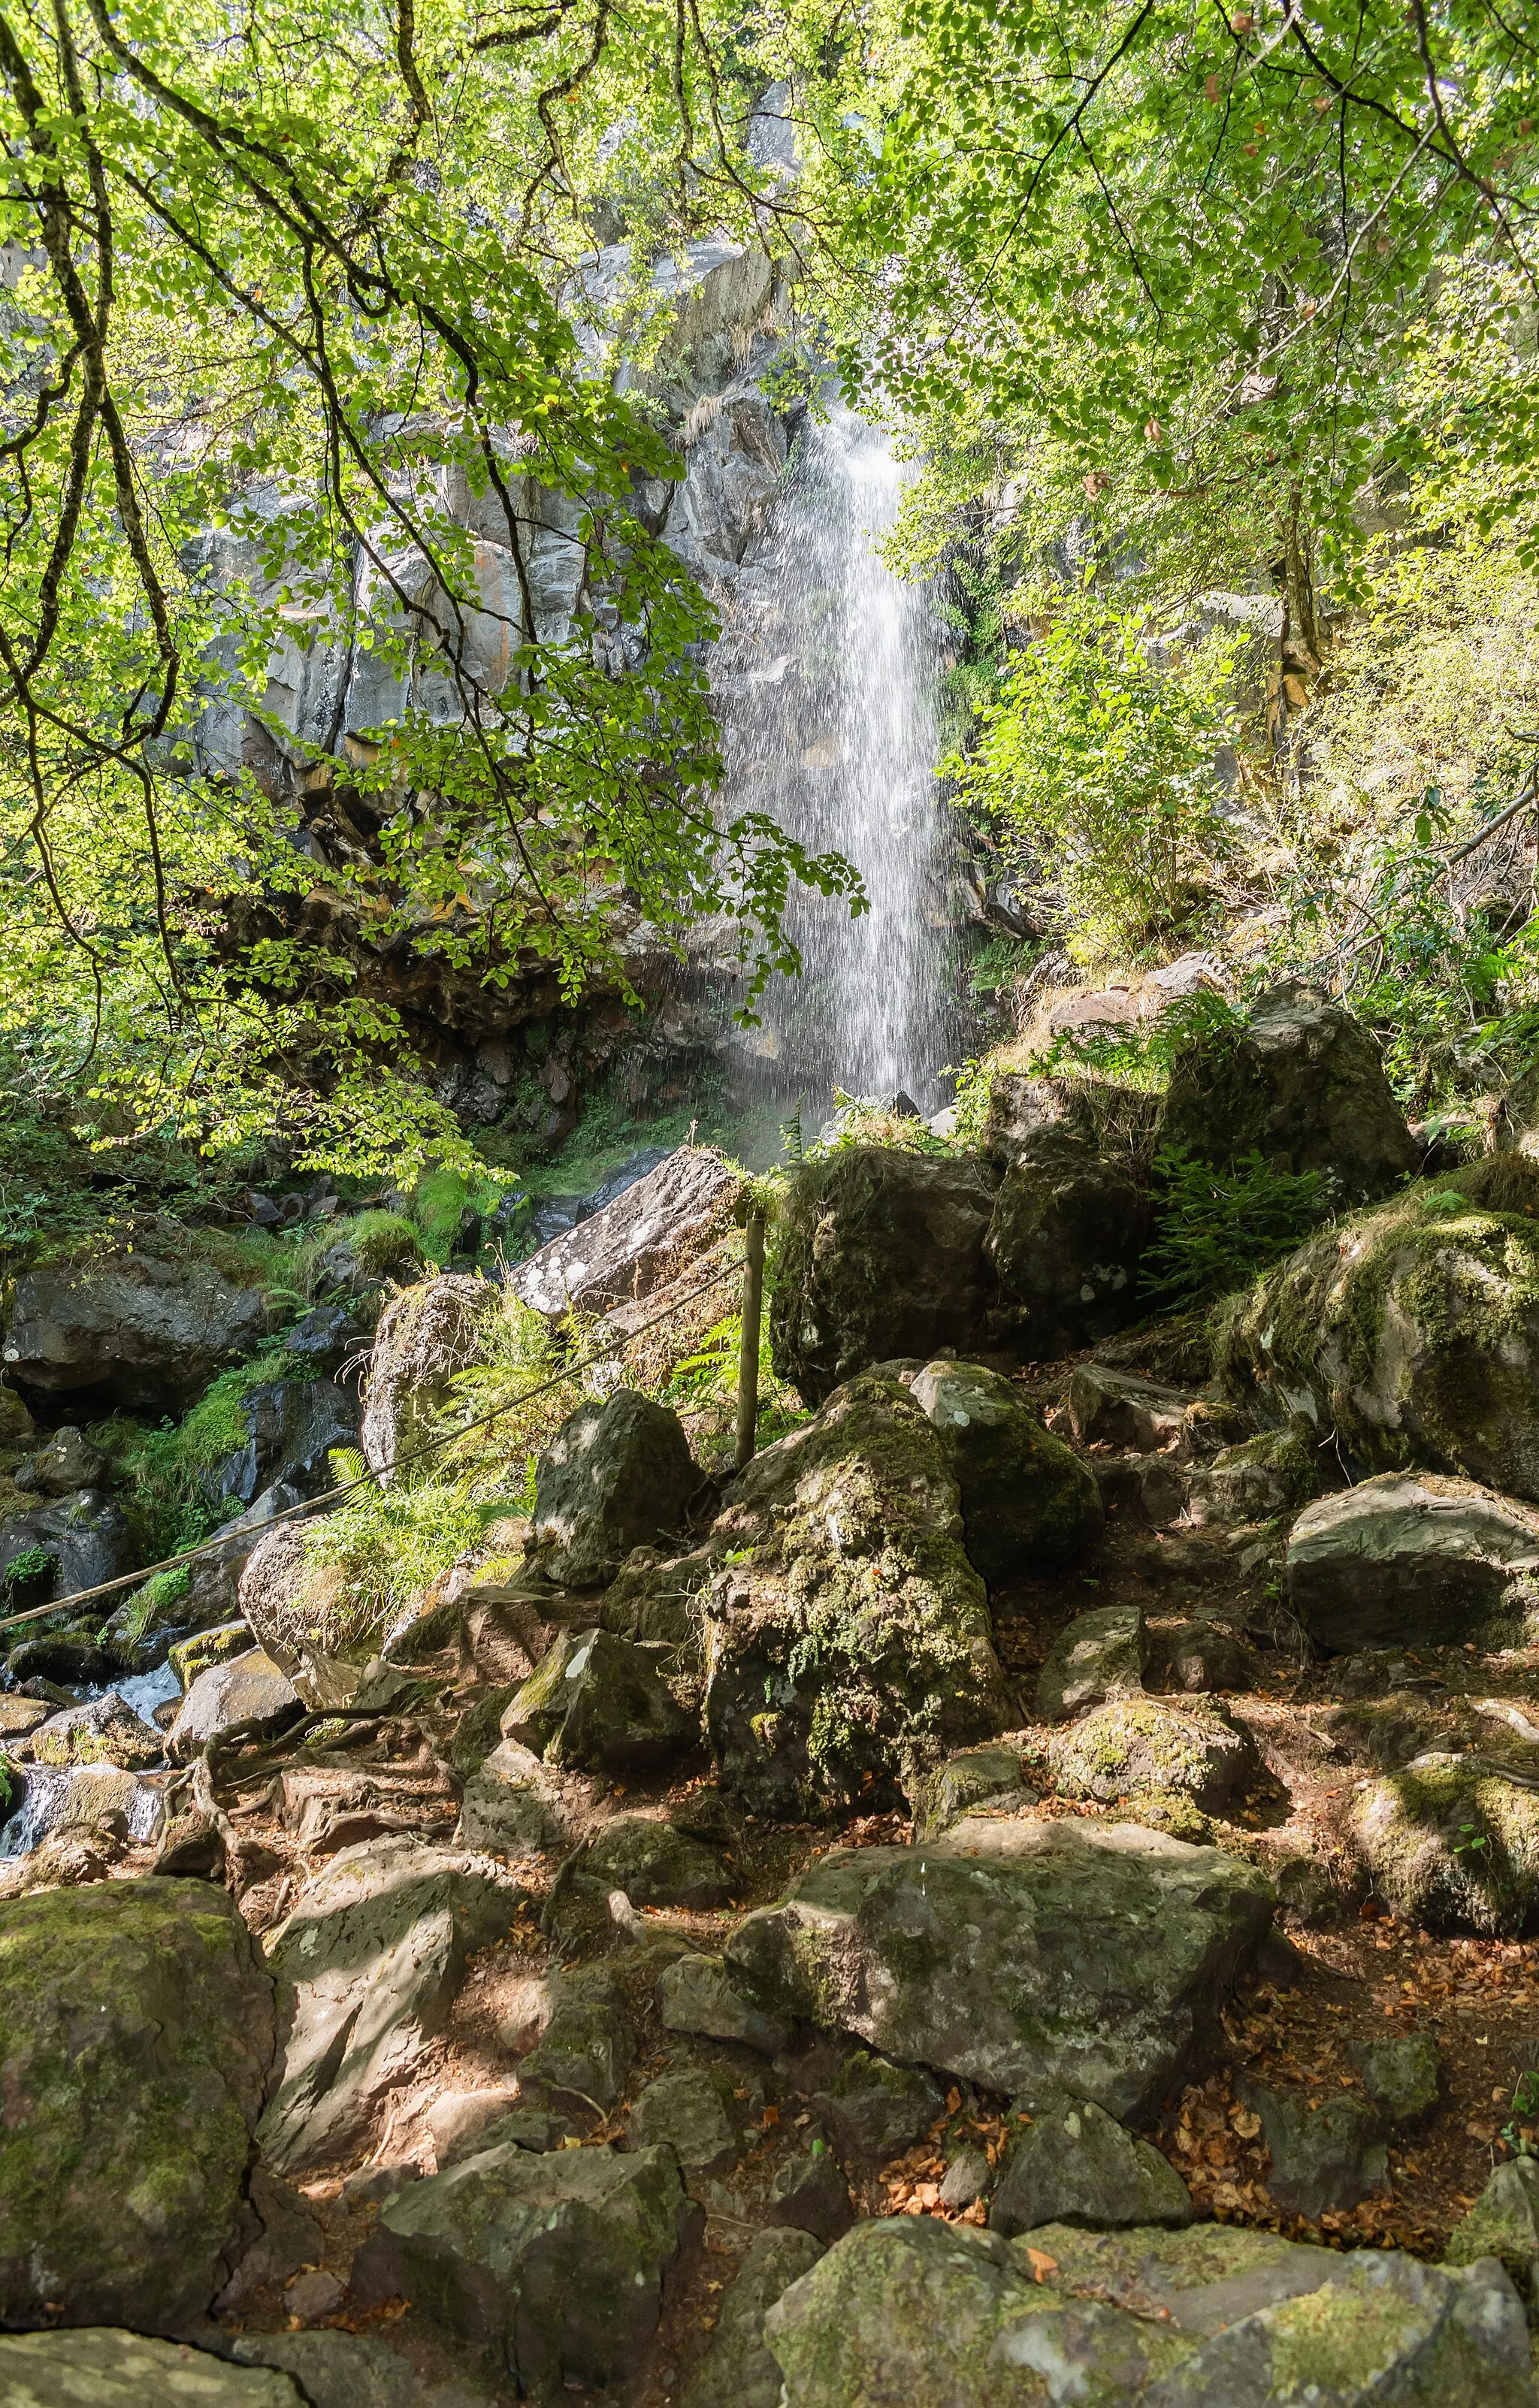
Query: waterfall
(825,685)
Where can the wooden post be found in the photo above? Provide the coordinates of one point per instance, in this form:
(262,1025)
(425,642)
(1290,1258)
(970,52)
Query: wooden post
(748,1357)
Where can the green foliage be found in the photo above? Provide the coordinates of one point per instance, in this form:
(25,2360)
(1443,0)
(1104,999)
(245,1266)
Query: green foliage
(152,1603)
(1101,763)
(387,1245)
(28,1565)
(164,1471)
(1139,1053)
(1217,1230)
(390,1544)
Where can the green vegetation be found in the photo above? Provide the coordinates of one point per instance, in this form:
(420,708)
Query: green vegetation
(1216,1229)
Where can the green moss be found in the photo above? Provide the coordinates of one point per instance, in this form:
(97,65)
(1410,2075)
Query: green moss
(1338,2340)
(385,1243)
(151,1606)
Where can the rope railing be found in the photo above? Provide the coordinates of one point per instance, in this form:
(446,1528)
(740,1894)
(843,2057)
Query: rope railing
(748,1385)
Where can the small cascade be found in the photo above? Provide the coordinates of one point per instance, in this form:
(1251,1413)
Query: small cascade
(825,687)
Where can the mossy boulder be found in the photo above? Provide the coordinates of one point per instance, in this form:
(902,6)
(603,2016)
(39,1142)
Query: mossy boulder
(1029,1503)
(108,2367)
(103,1730)
(737,2370)
(849,1645)
(1452,1845)
(657,1865)
(1065,1237)
(1132,1746)
(426,1336)
(1408,1560)
(1402,2077)
(136,2038)
(1102,1653)
(1075,2164)
(597,1703)
(1409,1334)
(974,1776)
(1503,2223)
(1301,1085)
(699,1994)
(874,2110)
(881,1257)
(617,1475)
(556,2261)
(1325,2153)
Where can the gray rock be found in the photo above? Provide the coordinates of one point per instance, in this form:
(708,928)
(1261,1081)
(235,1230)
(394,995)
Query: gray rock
(136,2038)
(1408,1336)
(1028,1501)
(88,1535)
(811,2194)
(657,1865)
(587,2047)
(427,1334)
(372,1957)
(1303,1085)
(1065,1239)
(1408,1559)
(976,1776)
(67,1462)
(59,1663)
(1503,2223)
(248,1689)
(1201,1656)
(459,2120)
(875,2110)
(1099,1654)
(969,2176)
(882,1255)
(1118,1408)
(103,1730)
(600,1703)
(1452,1845)
(512,1805)
(103,2366)
(1402,2077)
(558,2258)
(1326,2157)
(1074,2164)
(342,2369)
(1212,2317)
(290,2239)
(737,2370)
(631,1241)
(688,2112)
(139,1328)
(293,1426)
(1131,1747)
(699,1994)
(849,1645)
(1085,1956)
(616,1475)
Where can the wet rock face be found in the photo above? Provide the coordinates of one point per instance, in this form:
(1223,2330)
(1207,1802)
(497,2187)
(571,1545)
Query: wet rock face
(1407,1560)
(293,1424)
(556,2260)
(88,1537)
(1028,1501)
(137,2037)
(1065,1237)
(910,2309)
(883,1257)
(1411,1331)
(848,1639)
(616,1475)
(139,1329)
(1031,1957)
(1302,1086)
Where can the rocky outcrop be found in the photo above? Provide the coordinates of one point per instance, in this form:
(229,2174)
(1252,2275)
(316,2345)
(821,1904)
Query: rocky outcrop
(304,1617)
(881,1257)
(1409,1334)
(848,1638)
(369,1964)
(616,1475)
(913,2309)
(427,1334)
(136,2038)
(699,1994)
(293,1426)
(1300,1084)
(137,1327)
(1408,1560)
(635,1244)
(1029,1503)
(1027,1956)
(557,2260)
(88,1539)
(1068,1228)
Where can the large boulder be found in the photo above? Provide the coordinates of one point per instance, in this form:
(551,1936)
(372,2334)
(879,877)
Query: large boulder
(88,1538)
(1135,1747)
(597,1703)
(657,1865)
(135,1328)
(909,2307)
(555,2260)
(635,1242)
(881,1257)
(1407,1560)
(1453,1845)
(514,1807)
(1408,1335)
(292,1427)
(137,2037)
(1102,1653)
(1300,1084)
(1029,1503)
(616,1475)
(1110,1119)
(370,1963)
(426,1336)
(103,1731)
(848,1636)
(248,1689)
(1068,1228)
(1027,1956)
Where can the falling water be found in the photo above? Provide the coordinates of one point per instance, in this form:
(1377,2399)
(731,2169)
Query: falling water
(829,726)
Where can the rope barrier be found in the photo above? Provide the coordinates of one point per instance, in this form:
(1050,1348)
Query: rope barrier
(399,1463)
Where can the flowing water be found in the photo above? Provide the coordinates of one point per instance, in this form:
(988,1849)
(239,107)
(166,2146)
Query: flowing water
(827,694)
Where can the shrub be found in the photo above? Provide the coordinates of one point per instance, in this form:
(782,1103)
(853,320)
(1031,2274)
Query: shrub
(1216,1229)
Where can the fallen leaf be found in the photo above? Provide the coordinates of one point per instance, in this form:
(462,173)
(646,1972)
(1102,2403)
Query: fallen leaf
(1042,2264)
